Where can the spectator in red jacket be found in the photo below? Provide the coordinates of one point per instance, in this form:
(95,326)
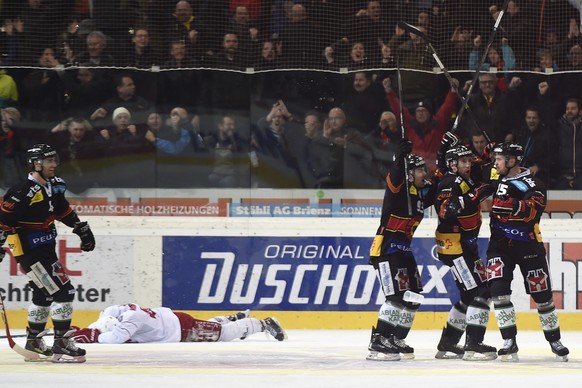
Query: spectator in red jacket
(422,128)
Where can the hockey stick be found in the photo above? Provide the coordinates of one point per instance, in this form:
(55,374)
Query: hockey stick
(481,62)
(29,355)
(24,335)
(407,185)
(465,105)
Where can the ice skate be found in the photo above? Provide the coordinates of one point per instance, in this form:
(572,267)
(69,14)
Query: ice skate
(274,328)
(35,343)
(406,351)
(508,352)
(478,351)
(448,349)
(239,315)
(380,349)
(560,350)
(65,351)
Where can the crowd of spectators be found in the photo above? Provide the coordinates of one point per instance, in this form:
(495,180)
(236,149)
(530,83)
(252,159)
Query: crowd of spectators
(280,93)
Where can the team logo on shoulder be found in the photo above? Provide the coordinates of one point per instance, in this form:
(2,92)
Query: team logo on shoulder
(537,280)
(495,268)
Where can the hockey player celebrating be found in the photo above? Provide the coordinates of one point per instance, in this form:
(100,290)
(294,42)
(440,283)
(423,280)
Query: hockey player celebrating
(27,219)
(119,324)
(458,207)
(392,258)
(516,210)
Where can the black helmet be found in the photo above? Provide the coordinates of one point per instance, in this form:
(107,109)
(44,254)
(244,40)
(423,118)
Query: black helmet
(40,152)
(456,153)
(510,149)
(414,161)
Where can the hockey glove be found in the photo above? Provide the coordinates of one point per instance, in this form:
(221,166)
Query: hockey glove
(405,148)
(454,207)
(86,336)
(449,141)
(83,230)
(507,207)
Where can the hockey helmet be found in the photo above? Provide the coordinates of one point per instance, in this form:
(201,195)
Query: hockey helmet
(414,161)
(104,324)
(40,152)
(456,153)
(509,149)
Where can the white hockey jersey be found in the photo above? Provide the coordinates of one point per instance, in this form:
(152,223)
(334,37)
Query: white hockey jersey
(137,324)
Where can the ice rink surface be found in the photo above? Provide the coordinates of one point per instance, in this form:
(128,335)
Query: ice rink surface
(307,359)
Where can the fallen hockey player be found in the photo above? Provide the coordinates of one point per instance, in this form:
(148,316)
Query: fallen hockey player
(131,323)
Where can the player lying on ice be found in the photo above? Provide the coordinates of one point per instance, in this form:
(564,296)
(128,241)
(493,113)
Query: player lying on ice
(131,323)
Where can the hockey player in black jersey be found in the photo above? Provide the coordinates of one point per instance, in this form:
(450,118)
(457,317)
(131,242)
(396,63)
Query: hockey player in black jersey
(458,207)
(391,255)
(516,210)
(27,220)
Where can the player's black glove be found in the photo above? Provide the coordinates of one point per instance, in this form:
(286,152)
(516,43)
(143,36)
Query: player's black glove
(83,230)
(405,148)
(454,206)
(448,141)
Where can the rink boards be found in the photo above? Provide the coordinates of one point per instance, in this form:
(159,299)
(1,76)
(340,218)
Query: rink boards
(310,273)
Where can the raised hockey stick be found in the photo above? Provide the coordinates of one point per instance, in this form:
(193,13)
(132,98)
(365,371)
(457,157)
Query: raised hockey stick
(29,355)
(407,185)
(481,62)
(465,106)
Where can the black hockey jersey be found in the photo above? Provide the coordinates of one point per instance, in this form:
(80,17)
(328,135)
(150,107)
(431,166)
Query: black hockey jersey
(397,226)
(29,210)
(524,224)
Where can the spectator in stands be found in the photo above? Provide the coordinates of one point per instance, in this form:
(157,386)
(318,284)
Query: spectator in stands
(575,58)
(339,157)
(355,58)
(95,53)
(42,22)
(126,98)
(491,108)
(125,150)
(14,49)
(277,167)
(456,51)
(12,165)
(567,160)
(73,40)
(247,33)
(173,138)
(412,54)
(8,90)
(364,102)
(478,142)
(370,28)
(77,146)
(299,47)
(384,140)
(85,90)
(140,54)
(517,29)
(269,59)
(229,91)
(534,136)
(188,28)
(422,128)
(229,153)
(178,88)
(42,90)
(230,56)
(500,58)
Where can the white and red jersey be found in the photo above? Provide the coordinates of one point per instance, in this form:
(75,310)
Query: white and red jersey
(137,324)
